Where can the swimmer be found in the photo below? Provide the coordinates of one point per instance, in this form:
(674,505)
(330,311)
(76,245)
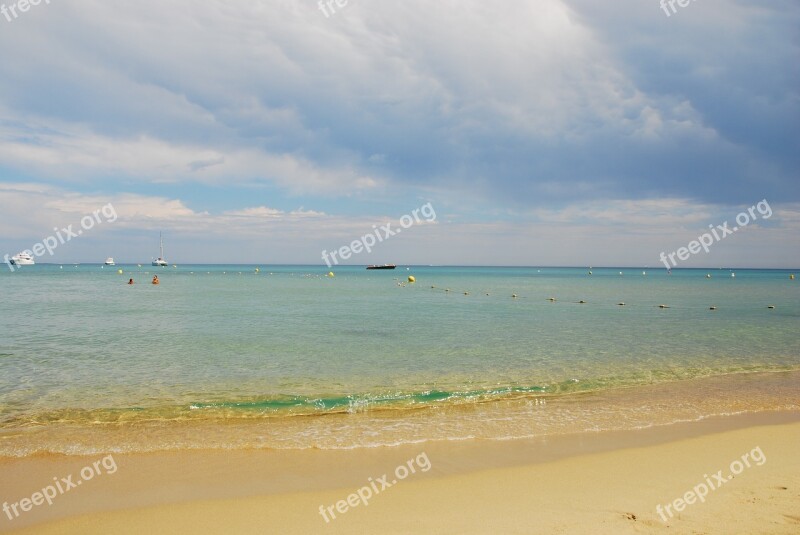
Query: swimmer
(130,281)
(155,280)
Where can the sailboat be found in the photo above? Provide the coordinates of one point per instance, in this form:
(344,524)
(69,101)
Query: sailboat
(160,262)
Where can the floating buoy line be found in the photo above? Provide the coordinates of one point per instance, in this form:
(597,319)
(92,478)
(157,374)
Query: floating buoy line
(553,300)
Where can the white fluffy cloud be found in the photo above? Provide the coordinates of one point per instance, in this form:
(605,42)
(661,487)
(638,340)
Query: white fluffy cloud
(615,233)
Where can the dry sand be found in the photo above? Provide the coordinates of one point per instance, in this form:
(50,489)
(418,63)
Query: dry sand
(589,483)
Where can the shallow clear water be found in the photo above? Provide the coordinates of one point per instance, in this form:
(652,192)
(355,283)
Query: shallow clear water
(81,350)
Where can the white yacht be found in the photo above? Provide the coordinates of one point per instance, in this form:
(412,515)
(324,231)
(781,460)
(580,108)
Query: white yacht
(160,262)
(22,259)
(109,262)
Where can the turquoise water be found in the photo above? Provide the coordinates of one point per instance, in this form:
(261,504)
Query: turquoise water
(79,347)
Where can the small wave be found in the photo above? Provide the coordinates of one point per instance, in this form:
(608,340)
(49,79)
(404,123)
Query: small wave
(359,402)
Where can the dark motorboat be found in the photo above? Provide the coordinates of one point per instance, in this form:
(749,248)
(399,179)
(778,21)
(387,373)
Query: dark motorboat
(385,266)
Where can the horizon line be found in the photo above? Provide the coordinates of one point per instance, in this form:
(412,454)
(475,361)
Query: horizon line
(256,264)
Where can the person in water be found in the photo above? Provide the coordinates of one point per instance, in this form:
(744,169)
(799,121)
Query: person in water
(155,280)
(130,281)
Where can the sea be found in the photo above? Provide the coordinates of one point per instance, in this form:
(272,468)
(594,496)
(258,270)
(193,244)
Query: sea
(300,357)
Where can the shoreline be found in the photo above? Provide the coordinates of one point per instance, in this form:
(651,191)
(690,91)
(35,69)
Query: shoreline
(178,488)
(660,404)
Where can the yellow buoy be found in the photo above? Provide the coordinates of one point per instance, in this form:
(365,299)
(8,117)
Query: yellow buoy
(119,271)
(330,274)
(411,278)
(791,277)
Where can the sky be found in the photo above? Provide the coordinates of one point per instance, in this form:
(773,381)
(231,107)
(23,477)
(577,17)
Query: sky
(553,132)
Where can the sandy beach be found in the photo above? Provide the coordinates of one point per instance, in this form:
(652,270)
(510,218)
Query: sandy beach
(610,482)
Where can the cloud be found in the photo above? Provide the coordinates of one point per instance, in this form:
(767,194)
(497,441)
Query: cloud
(520,103)
(199,165)
(76,156)
(594,233)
